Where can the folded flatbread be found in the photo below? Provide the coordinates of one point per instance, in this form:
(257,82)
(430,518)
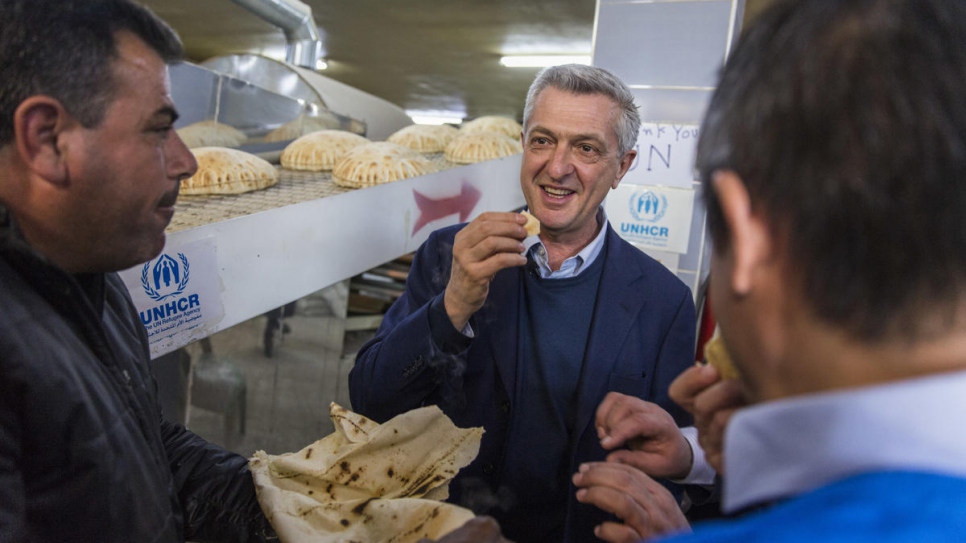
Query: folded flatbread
(493,123)
(479,146)
(367,481)
(377,163)
(211,134)
(716,355)
(319,151)
(228,171)
(533,224)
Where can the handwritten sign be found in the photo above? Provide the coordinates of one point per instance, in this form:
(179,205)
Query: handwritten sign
(177,294)
(665,155)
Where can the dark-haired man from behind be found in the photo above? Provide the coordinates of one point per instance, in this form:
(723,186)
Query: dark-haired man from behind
(835,150)
(89,173)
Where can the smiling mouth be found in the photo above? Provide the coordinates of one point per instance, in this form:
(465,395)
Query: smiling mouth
(557,193)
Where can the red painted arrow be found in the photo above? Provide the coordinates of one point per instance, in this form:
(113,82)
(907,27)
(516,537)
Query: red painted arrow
(430,210)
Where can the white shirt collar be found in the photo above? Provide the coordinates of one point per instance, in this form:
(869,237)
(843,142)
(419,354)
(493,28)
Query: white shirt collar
(576,264)
(784,448)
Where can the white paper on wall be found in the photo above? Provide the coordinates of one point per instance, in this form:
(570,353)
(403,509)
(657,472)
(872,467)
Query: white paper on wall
(652,217)
(177,294)
(665,155)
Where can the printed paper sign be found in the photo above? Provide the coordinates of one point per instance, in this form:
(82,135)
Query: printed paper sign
(652,217)
(665,155)
(177,293)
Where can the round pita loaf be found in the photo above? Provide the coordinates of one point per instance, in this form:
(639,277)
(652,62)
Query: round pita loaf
(304,125)
(228,171)
(319,151)
(480,146)
(493,123)
(424,138)
(211,134)
(377,163)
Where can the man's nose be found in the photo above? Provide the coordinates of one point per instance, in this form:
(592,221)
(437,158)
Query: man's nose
(561,162)
(181,161)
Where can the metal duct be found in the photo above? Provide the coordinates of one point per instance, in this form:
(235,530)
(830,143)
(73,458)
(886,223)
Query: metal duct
(294,18)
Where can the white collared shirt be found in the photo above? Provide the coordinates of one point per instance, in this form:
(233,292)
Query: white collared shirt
(788,447)
(574,265)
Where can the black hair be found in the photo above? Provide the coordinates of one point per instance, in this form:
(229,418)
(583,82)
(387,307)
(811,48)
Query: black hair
(846,120)
(64,49)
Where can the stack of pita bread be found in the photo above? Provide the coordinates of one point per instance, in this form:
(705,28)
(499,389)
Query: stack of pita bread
(424,138)
(320,151)
(377,163)
(368,482)
(211,134)
(228,171)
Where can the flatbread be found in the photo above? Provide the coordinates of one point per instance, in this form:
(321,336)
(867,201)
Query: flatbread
(377,163)
(319,151)
(479,146)
(304,125)
(228,171)
(211,134)
(493,123)
(424,138)
(716,355)
(533,224)
(368,482)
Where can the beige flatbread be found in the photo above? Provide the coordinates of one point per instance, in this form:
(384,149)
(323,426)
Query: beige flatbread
(377,163)
(367,481)
(493,123)
(320,150)
(533,224)
(228,171)
(211,134)
(480,146)
(716,355)
(424,138)
(304,125)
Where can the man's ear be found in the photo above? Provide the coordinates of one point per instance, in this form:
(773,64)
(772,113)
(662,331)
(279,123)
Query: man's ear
(625,164)
(39,124)
(749,236)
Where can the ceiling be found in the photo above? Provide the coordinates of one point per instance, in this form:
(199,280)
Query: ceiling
(418,54)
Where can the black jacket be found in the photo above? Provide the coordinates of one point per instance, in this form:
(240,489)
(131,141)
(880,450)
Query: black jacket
(84,452)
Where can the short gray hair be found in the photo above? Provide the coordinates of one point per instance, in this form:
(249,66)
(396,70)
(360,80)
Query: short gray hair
(581,79)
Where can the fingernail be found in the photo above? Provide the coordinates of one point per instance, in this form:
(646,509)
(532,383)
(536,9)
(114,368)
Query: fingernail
(581,493)
(606,440)
(583,468)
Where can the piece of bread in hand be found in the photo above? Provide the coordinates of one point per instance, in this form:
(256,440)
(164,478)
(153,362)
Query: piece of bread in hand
(532,226)
(717,356)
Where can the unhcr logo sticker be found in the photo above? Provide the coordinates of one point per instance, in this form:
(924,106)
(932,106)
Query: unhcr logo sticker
(177,294)
(166,278)
(647,206)
(652,217)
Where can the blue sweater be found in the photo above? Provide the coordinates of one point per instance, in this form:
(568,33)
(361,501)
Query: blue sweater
(879,507)
(554,326)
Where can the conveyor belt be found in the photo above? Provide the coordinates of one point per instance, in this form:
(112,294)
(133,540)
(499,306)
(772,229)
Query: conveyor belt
(293,187)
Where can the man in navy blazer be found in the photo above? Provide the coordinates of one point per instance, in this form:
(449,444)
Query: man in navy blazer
(527,339)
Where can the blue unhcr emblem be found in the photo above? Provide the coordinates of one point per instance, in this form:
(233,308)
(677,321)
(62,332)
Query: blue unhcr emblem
(647,206)
(167,278)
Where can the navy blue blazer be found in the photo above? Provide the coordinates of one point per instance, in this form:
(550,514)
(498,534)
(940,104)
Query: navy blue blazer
(642,336)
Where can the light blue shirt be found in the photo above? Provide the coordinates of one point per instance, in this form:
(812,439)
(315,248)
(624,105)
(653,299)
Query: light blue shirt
(575,264)
(788,447)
